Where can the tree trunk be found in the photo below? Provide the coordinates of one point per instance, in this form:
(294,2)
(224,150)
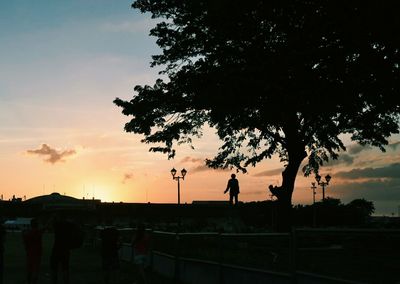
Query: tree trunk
(285,198)
(296,154)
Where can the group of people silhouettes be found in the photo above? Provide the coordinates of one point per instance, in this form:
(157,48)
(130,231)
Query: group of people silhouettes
(32,241)
(66,239)
(110,245)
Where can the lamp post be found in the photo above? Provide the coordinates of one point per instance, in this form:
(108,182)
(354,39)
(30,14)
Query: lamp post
(177,245)
(314,187)
(323,184)
(178,178)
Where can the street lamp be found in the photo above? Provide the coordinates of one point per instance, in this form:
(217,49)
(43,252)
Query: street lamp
(323,184)
(183,173)
(178,178)
(313,187)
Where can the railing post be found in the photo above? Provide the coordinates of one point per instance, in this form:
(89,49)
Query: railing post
(151,250)
(220,258)
(132,250)
(293,255)
(314,216)
(177,258)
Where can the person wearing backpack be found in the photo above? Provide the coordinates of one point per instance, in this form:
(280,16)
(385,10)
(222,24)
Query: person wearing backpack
(76,235)
(109,253)
(59,259)
(33,247)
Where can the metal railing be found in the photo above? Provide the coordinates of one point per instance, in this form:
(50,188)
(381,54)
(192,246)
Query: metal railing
(303,256)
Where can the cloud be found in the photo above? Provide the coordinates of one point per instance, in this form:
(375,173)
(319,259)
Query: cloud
(375,190)
(343,159)
(380,185)
(127,176)
(391,171)
(198,162)
(269,173)
(357,148)
(393,146)
(51,155)
(204,168)
(200,168)
(188,159)
(264,193)
(141,26)
(199,165)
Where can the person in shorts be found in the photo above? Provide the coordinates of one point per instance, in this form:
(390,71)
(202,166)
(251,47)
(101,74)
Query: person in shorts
(140,245)
(109,253)
(33,247)
(59,259)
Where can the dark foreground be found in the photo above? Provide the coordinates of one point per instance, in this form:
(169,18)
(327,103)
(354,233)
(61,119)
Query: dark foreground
(85,264)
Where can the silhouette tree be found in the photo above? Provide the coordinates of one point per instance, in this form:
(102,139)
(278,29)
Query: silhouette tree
(331,202)
(365,207)
(272,77)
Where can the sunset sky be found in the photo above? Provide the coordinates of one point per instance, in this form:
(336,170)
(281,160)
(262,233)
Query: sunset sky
(62,63)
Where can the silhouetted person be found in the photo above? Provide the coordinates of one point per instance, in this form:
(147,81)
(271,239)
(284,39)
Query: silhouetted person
(140,245)
(233,188)
(109,253)
(2,241)
(33,247)
(60,253)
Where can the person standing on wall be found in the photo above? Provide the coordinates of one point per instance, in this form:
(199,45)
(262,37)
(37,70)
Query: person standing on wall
(233,188)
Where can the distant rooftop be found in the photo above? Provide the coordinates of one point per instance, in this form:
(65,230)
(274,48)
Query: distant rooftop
(50,198)
(56,200)
(211,202)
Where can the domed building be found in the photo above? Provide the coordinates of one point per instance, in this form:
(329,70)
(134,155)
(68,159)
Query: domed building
(56,201)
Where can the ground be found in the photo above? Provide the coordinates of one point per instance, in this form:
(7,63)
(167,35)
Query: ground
(85,265)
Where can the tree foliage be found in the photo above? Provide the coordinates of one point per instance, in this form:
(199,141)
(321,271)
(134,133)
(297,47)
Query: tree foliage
(364,206)
(272,77)
(332,212)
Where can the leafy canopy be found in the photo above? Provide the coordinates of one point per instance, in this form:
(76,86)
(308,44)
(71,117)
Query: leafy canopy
(364,206)
(272,77)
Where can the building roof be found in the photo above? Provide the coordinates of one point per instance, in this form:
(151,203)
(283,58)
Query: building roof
(54,197)
(211,202)
(58,201)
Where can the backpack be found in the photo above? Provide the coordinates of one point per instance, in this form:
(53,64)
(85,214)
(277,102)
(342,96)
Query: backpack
(76,236)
